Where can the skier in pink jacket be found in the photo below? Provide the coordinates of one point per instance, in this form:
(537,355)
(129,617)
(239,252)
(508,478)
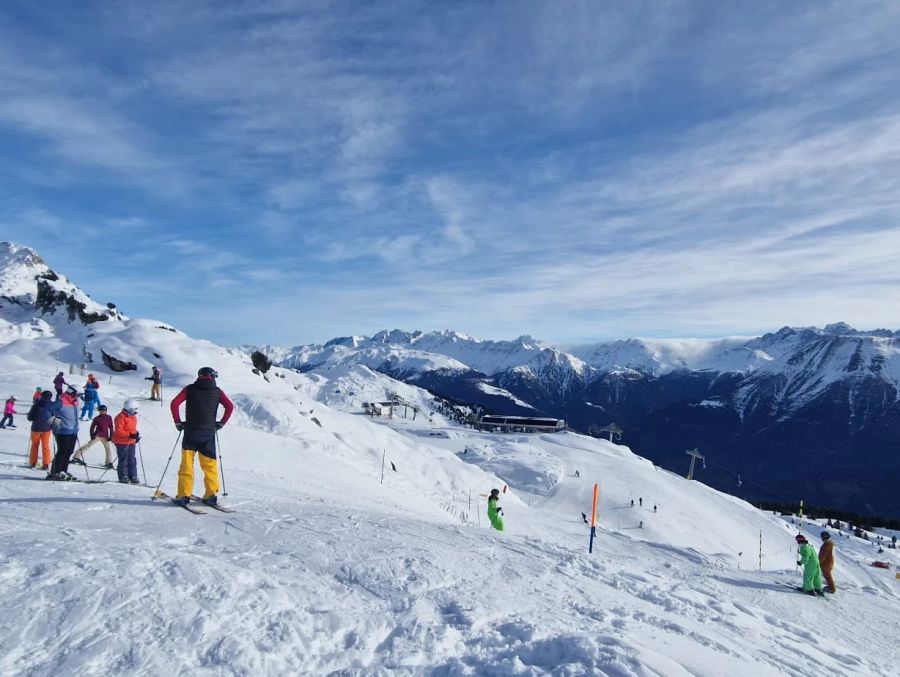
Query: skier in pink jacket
(8,412)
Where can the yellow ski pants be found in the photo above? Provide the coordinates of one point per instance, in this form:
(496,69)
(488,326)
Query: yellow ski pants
(210,469)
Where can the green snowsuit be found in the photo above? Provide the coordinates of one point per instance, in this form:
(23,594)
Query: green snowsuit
(496,517)
(812,573)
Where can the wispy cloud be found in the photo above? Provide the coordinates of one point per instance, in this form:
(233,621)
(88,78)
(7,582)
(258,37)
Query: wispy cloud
(569,169)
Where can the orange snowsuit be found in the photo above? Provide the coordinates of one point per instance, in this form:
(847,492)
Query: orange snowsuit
(826,563)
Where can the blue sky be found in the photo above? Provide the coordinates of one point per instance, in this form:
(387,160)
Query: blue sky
(286,172)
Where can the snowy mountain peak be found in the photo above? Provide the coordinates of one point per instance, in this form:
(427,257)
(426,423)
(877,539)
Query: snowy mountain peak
(28,286)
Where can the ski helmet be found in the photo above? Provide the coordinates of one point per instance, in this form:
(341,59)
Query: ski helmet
(207,371)
(131,406)
(800,538)
(825,535)
(495,492)
(72,390)
(102,407)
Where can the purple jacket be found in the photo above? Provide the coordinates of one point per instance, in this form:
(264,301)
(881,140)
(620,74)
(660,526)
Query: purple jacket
(102,426)
(59,381)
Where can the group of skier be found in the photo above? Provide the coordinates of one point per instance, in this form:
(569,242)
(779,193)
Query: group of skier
(816,565)
(57,419)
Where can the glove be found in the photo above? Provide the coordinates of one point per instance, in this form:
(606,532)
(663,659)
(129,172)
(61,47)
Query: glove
(219,425)
(179,426)
(136,437)
(799,562)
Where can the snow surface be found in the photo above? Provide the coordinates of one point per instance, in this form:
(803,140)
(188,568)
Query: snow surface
(331,567)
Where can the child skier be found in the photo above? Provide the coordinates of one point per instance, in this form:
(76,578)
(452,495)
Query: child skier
(812,574)
(125,436)
(8,410)
(826,561)
(58,384)
(495,512)
(37,394)
(101,431)
(90,399)
(40,415)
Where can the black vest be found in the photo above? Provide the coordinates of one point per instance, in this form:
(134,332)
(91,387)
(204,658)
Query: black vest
(202,405)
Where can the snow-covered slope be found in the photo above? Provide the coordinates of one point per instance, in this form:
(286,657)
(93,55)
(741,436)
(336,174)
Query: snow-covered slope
(361,546)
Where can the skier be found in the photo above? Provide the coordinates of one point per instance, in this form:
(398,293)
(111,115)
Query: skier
(156,388)
(812,574)
(90,400)
(495,512)
(202,398)
(93,382)
(8,410)
(37,394)
(125,436)
(826,561)
(58,384)
(65,429)
(40,416)
(101,431)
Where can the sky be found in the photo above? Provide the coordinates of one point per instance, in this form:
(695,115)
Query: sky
(287,172)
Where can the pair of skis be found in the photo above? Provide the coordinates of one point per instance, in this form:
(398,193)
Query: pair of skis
(191,508)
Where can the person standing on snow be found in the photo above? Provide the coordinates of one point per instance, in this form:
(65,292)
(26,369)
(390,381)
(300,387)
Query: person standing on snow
(101,431)
(41,415)
(93,382)
(125,436)
(37,394)
(156,388)
(826,561)
(812,574)
(90,399)
(202,399)
(65,429)
(495,512)
(58,384)
(8,410)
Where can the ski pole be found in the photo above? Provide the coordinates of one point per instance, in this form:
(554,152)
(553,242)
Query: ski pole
(87,475)
(167,464)
(221,465)
(141,456)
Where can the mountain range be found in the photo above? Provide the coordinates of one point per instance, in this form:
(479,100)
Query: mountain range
(797,414)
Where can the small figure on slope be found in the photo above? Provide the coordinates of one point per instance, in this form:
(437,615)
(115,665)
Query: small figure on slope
(58,384)
(156,388)
(826,561)
(8,410)
(93,382)
(495,512)
(125,436)
(101,431)
(40,415)
(812,574)
(37,394)
(202,398)
(65,429)
(91,399)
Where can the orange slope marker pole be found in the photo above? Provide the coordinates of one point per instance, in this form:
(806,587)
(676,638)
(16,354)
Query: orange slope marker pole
(594,518)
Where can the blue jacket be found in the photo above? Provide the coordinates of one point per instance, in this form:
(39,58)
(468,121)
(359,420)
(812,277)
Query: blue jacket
(41,413)
(66,411)
(90,394)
